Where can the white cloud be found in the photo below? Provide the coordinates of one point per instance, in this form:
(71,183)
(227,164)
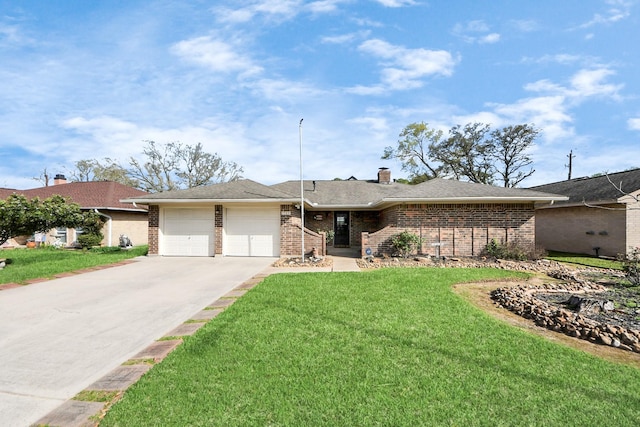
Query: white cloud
(324,6)
(546,112)
(284,90)
(524,25)
(489,38)
(476,31)
(396,3)
(274,10)
(583,84)
(214,54)
(404,68)
(634,123)
(561,58)
(345,38)
(618,10)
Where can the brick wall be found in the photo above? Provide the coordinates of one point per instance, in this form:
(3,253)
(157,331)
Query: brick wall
(633,226)
(154,224)
(217,250)
(291,235)
(454,229)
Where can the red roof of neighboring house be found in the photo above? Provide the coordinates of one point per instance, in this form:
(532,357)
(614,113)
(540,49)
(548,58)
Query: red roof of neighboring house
(89,195)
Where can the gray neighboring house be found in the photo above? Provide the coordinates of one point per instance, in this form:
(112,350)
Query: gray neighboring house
(597,219)
(247,218)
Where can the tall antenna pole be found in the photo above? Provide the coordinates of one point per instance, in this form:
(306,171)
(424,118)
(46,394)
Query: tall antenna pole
(570,156)
(301,190)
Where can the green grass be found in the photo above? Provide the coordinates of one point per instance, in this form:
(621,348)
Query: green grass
(586,260)
(391,347)
(27,264)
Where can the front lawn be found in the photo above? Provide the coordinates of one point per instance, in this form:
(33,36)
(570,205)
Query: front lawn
(27,264)
(585,260)
(392,347)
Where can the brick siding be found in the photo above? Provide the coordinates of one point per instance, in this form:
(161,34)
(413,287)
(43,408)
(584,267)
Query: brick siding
(154,224)
(454,229)
(290,234)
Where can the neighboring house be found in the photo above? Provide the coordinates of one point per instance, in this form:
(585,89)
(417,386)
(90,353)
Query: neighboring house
(246,218)
(102,197)
(598,218)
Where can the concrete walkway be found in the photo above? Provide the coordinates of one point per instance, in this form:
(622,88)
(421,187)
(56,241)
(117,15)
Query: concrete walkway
(98,342)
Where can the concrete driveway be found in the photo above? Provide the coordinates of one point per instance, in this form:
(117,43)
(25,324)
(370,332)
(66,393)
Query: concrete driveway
(59,336)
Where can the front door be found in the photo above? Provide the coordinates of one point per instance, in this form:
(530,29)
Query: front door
(341,229)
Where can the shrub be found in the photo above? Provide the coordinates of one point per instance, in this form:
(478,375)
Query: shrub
(406,243)
(631,266)
(87,240)
(511,250)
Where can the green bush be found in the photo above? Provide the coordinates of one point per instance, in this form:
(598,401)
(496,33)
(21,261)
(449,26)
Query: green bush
(88,240)
(406,243)
(511,250)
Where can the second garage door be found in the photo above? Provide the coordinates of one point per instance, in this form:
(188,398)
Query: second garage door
(252,232)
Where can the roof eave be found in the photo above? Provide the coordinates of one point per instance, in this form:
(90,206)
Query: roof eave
(218,201)
(473,200)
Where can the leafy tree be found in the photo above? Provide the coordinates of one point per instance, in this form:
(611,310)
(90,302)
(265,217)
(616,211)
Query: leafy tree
(472,152)
(466,154)
(175,166)
(20,216)
(414,151)
(510,152)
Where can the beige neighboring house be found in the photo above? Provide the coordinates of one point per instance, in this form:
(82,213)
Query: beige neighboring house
(102,197)
(601,217)
(247,218)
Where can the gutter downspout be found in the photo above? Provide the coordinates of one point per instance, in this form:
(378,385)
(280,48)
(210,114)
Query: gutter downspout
(108,225)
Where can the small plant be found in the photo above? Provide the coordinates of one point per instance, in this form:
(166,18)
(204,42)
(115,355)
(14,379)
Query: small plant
(511,250)
(631,266)
(330,234)
(406,243)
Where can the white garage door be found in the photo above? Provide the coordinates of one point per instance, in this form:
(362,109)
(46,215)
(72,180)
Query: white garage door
(188,232)
(252,232)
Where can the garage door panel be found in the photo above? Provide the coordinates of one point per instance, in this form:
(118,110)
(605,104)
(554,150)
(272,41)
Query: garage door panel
(188,232)
(252,232)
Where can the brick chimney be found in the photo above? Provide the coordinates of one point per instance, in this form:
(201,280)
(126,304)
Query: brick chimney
(59,179)
(384,176)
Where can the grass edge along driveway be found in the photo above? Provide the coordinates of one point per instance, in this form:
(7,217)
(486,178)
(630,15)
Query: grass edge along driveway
(385,347)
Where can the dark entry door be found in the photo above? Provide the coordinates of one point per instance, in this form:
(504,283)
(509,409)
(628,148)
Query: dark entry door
(341,229)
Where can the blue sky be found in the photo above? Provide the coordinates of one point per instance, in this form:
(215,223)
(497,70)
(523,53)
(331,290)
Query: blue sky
(95,79)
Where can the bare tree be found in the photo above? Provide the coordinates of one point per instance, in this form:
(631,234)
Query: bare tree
(105,170)
(43,178)
(175,166)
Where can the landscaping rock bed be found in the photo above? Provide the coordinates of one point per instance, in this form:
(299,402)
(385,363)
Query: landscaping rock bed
(308,262)
(544,305)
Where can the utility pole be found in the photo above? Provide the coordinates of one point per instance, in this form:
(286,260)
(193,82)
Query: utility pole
(301,189)
(570,166)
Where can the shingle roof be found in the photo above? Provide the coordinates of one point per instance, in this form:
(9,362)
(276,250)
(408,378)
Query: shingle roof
(445,189)
(597,189)
(244,189)
(89,195)
(351,193)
